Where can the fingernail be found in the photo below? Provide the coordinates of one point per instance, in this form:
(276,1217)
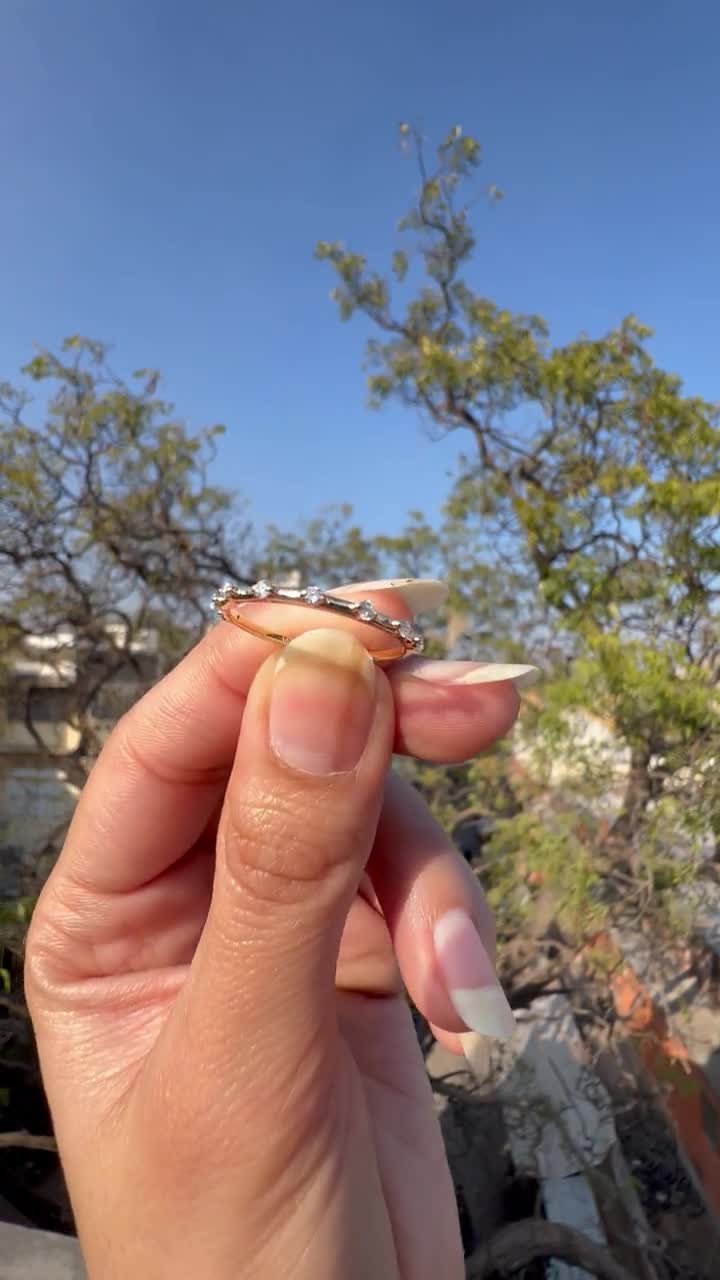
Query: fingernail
(322,703)
(520,673)
(470,978)
(421,595)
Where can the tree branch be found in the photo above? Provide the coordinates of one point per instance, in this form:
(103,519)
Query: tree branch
(521,1243)
(30,1141)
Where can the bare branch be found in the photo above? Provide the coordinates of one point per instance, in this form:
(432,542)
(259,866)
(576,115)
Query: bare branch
(521,1243)
(30,1141)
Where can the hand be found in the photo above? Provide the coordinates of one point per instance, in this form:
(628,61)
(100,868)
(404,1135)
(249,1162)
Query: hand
(213,968)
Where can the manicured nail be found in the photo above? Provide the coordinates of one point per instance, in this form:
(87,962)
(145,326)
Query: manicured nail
(470,977)
(421,595)
(322,703)
(436,672)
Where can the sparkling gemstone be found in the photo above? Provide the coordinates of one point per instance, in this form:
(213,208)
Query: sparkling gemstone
(366,611)
(419,642)
(226,589)
(263,589)
(407,631)
(314,595)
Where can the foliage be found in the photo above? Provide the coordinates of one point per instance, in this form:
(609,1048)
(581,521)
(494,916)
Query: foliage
(591,492)
(527,854)
(329,549)
(113,540)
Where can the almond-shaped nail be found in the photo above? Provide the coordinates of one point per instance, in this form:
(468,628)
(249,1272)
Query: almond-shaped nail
(322,703)
(470,978)
(421,595)
(521,674)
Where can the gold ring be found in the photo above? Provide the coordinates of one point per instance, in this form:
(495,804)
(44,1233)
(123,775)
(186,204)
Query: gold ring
(230,600)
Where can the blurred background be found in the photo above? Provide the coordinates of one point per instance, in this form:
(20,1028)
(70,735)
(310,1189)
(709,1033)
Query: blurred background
(515,209)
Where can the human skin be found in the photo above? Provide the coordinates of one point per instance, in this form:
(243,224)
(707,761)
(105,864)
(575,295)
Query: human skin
(215,968)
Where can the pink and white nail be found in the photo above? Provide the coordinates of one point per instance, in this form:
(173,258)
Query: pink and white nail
(470,977)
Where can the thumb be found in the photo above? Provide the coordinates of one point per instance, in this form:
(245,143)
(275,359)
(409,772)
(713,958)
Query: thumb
(298,824)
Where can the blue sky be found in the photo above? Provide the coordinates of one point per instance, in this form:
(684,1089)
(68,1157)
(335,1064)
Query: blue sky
(167,166)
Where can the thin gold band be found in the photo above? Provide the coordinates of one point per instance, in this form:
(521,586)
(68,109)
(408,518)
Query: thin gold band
(408,639)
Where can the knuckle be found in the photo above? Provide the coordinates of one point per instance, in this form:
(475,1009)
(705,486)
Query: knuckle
(280,848)
(44,946)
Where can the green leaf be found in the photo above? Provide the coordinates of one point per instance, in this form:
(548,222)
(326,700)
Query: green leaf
(399,264)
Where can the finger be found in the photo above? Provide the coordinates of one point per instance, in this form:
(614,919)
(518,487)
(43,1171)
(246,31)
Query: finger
(441,927)
(448,712)
(296,831)
(165,766)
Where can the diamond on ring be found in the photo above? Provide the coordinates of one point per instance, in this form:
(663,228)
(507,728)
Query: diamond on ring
(367,612)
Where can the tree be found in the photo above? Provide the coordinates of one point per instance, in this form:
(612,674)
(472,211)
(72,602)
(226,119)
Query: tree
(592,473)
(112,543)
(329,549)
